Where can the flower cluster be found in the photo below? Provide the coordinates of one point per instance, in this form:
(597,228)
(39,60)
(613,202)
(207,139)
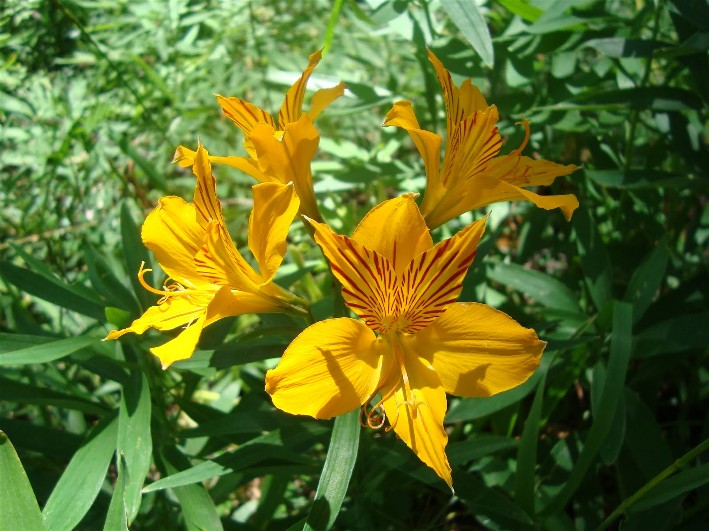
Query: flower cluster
(411,341)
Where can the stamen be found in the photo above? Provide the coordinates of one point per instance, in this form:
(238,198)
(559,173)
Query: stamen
(527,132)
(166,292)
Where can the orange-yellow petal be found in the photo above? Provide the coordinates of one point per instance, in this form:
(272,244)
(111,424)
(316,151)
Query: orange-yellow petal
(292,106)
(171,231)
(288,160)
(415,410)
(434,279)
(428,144)
(459,103)
(182,346)
(396,230)
(275,206)
(228,302)
(244,114)
(185,157)
(369,282)
(205,199)
(331,368)
(478,351)
(219,261)
(177,310)
(322,98)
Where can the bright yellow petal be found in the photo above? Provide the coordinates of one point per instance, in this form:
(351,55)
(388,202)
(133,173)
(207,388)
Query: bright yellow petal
(434,279)
(459,103)
(539,172)
(322,98)
(227,303)
(219,261)
(428,144)
(275,206)
(292,106)
(369,282)
(331,368)
(171,231)
(182,346)
(185,158)
(288,160)
(418,419)
(478,351)
(177,310)
(244,114)
(405,236)
(205,199)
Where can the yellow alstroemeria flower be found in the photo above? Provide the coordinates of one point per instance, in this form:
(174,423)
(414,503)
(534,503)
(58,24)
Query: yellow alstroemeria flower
(414,342)
(473,174)
(208,278)
(279,151)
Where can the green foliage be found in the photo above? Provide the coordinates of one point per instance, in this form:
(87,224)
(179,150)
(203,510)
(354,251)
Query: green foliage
(96,96)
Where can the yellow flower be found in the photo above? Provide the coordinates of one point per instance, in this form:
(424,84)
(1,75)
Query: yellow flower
(279,151)
(208,278)
(414,342)
(473,174)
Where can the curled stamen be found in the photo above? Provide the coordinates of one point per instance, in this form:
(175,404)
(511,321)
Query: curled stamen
(527,132)
(166,292)
(376,417)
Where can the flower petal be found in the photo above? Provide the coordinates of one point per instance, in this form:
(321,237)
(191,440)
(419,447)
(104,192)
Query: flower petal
(459,103)
(369,282)
(205,199)
(331,368)
(180,347)
(184,157)
(292,106)
(177,310)
(228,302)
(322,98)
(434,279)
(219,261)
(418,419)
(428,144)
(244,114)
(478,351)
(171,231)
(275,206)
(406,234)
(288,160)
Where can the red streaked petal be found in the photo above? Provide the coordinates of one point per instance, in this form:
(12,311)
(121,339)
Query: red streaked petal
(244,114)
(369,282)
(433,280)
(292,107)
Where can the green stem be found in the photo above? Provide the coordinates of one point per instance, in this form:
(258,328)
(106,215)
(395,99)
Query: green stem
(654,482)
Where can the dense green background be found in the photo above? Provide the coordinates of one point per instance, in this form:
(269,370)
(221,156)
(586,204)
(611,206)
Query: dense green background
(94,98)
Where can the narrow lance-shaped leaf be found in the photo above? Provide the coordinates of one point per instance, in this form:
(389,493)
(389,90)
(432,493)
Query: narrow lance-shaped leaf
(18,505)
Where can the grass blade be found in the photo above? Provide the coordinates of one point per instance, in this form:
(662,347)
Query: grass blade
(18,505)
(336,473)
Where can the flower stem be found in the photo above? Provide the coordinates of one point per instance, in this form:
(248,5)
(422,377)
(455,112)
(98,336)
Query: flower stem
(654,482)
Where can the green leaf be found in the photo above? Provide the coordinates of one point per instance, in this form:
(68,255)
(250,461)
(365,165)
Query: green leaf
(474,408)
(522,9)
(616,435)
(336,473)
(195,474)
(46,352)
(13,391)
(642,179)
(18,505)
(134,254)
(476,447)
(525,479)
(471,23)
(82,479)
(134,442)
(197,506)
(647,280)
(51,289)
(543,288)
(105,282)
(621,47)
(612,391)
(680,333)
(117,516)
(155,178)
(598,273)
